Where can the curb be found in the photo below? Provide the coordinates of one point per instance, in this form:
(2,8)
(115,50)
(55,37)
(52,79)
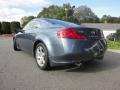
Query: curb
(114,50)
(6,35)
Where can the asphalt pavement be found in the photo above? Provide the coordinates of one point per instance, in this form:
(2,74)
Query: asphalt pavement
(18,71)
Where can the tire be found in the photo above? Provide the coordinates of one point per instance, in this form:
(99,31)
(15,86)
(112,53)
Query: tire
(41,56)
(15,46)
(89,61)
(100,58)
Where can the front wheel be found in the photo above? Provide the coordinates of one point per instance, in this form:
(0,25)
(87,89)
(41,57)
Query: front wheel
(41,56)
(15,47)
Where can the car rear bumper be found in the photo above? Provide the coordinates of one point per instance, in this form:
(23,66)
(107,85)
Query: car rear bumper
(74,51)
(72,58)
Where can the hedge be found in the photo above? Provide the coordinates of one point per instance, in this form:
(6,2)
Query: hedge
(113,45)
(5,29)
(118,35)
(9,27)
(14,26)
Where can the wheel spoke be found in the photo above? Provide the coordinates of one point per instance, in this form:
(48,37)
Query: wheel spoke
(43,54)
(40,56)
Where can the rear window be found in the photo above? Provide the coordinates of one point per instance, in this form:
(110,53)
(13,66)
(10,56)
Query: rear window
(59,23)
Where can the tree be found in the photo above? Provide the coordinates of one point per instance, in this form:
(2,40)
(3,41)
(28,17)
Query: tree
(5,29)
(85,14)
(14,26)
(118,35)
(69,10)
(53,11)
(63,13)
(71,19)
(25,20)
(110,19)
(104,19)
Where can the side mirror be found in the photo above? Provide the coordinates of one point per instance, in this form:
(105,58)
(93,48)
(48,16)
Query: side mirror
(21,31)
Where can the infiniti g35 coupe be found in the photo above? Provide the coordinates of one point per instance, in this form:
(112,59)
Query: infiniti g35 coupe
(54,42)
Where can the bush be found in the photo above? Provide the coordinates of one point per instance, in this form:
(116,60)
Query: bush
(14,26)
(25,20)
(113,45)
(5,28)
(118,35)
(71,19)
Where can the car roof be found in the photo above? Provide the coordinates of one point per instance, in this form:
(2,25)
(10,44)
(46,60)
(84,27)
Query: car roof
(56,22)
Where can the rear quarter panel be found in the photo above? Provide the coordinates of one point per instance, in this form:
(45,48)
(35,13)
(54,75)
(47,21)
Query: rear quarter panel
(52,42)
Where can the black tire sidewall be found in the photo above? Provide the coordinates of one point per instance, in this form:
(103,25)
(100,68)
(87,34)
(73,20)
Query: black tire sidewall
(15,45)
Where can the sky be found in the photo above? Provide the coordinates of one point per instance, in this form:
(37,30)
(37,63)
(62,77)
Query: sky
(14,10)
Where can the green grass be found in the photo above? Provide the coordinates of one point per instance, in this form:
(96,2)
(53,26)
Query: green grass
(114,45)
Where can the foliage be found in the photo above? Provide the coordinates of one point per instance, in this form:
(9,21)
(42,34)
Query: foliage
(63,13)
(118,35)
(52,12)
(85,14)
(81,14)
(5,28)
(114,45)
(110,19)
(14,26)
(26,19)
(71,19)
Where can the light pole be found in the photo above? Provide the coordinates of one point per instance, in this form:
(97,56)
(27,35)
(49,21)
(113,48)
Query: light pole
(66,12)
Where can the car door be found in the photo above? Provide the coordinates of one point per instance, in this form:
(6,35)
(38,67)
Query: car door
(23,36)
(19,36)
(29,36)
(29,40)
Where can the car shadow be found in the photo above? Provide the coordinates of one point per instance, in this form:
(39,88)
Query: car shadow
(110,61)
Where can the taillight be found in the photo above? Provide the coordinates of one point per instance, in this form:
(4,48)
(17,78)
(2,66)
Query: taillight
(71,33)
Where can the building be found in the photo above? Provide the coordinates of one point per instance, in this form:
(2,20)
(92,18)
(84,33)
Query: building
(106,27)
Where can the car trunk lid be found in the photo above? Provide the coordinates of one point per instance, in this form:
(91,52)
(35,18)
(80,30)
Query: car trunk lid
(91,33)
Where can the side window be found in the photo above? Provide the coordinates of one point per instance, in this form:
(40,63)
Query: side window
(36,24)
(28,26)
(32,25)
(41,24)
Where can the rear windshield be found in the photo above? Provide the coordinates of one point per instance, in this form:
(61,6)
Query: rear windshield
(59,23)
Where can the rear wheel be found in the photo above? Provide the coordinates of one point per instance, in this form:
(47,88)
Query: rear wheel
(100,58)
(41,56)
(89,61)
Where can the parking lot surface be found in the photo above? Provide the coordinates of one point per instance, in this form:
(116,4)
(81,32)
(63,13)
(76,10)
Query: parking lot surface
(18,71)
